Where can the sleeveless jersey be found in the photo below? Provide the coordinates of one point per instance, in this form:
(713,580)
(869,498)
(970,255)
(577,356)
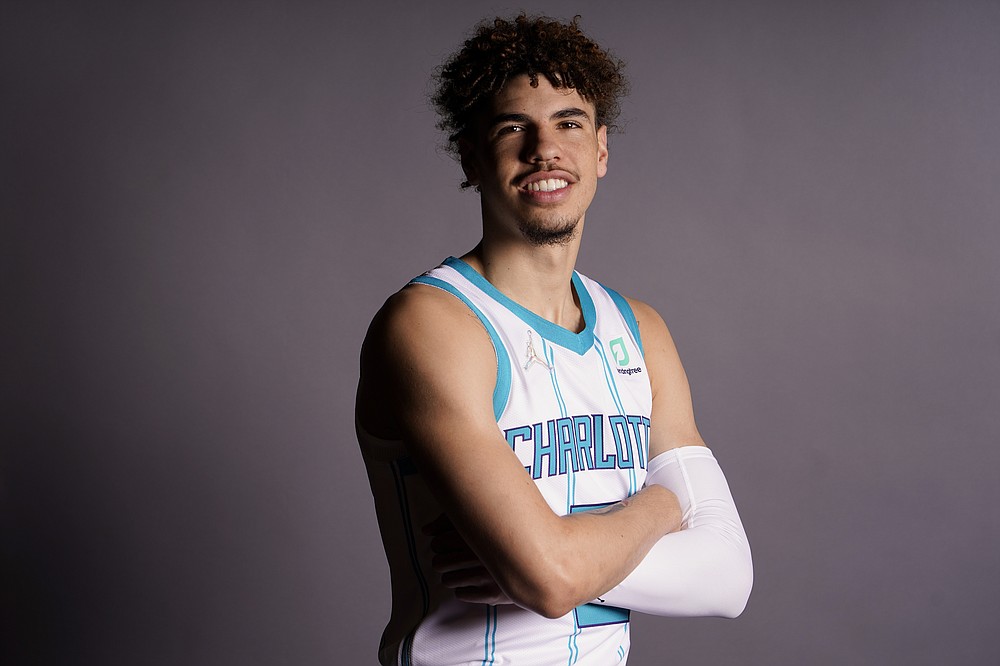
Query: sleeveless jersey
(574,408)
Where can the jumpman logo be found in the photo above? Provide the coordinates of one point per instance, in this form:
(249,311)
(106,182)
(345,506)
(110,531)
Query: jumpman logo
(533,356)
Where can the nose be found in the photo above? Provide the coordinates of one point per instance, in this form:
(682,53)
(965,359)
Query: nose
(542,146)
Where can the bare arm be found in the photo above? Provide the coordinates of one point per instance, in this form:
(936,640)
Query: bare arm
(428,359)
(672,422)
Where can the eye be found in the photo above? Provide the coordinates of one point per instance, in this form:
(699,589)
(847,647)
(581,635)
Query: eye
(570,124)
(510,129)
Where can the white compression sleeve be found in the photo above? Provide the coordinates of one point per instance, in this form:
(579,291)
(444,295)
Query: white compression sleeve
(703,569)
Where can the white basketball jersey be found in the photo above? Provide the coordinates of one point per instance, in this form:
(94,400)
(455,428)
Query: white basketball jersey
(574,408)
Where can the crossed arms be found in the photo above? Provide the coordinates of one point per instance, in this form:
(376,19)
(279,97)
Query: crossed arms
(501,542)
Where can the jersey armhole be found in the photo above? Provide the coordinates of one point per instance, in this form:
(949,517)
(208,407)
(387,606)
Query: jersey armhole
(501,392)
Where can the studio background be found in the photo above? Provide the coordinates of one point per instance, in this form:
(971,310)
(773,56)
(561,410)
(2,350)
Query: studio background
(204,203)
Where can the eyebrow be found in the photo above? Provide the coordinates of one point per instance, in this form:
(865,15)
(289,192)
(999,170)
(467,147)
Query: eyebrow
(570,112)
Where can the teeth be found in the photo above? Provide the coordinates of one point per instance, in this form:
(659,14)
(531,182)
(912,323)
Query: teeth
(548,185)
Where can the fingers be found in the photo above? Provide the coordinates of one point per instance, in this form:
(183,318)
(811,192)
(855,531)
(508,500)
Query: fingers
(475,585)
(475,576)
(444,537)
(451,553)
(439,525)
(448,542)
(486,594)
(455,561)
(460,568)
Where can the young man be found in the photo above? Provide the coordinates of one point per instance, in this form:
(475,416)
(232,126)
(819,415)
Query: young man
(528,433)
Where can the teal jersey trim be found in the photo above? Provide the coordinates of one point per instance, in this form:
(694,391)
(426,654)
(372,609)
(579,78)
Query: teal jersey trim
(596,615)
(576,342)
(501,392)
(628,315)
(563,412)
(490,643)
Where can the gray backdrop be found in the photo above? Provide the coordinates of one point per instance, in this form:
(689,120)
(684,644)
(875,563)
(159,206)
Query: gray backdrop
(203,204)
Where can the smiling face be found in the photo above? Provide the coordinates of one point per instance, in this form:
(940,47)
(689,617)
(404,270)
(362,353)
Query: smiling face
(536,155)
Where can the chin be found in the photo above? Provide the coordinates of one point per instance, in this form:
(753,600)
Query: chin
(543,235)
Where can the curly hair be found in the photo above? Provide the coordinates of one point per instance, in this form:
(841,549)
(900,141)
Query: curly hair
(500,50)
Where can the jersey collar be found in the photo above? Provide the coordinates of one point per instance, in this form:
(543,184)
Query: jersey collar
(577,342)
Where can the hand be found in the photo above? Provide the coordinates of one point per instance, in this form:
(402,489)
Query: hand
(461,569)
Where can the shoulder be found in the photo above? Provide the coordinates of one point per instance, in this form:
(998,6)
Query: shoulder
(657,343)
(417,311)
(651,325)
(414,345)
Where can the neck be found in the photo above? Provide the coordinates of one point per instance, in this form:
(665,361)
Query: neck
(537,277)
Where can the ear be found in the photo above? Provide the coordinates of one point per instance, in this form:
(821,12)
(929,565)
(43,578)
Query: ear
(602,150)
(467,153)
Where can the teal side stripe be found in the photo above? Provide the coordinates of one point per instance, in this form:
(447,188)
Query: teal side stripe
(563,412)
(627,314)
(501,392)
(547,351)
(493,635)
(550,359)
(490,644)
